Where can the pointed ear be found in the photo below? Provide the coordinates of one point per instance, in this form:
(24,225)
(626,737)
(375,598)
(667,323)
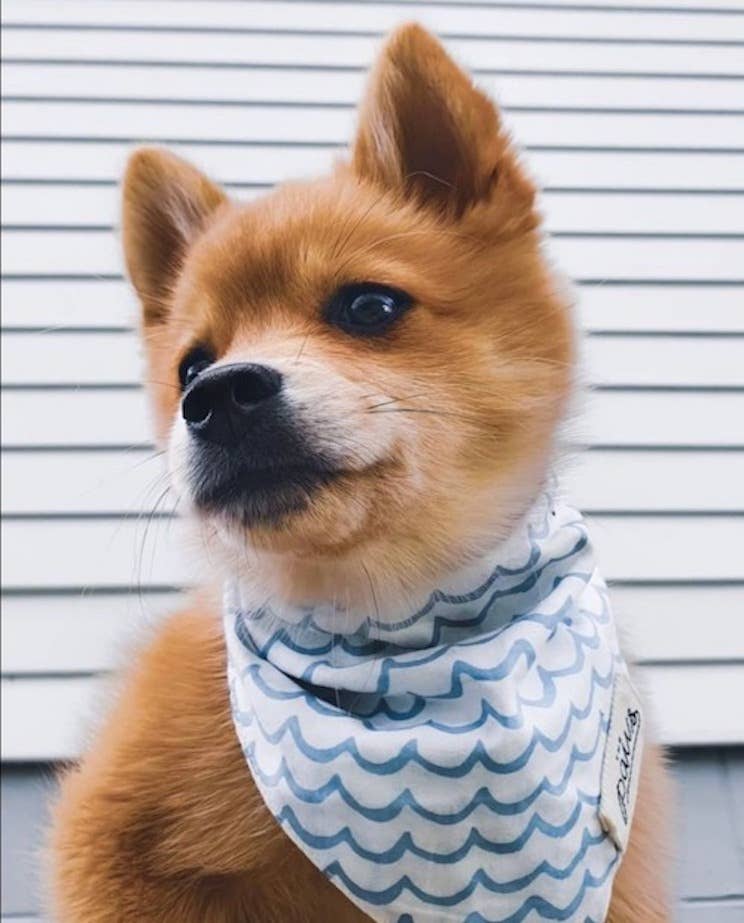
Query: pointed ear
(167,203)
(425,129)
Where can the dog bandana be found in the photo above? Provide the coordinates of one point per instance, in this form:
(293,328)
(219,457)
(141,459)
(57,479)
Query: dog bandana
(475,760)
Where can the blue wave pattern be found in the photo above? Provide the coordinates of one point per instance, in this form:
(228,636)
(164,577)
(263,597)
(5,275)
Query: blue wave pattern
(445,765)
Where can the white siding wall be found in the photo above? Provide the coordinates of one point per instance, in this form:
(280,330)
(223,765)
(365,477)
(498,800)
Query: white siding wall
(632,113)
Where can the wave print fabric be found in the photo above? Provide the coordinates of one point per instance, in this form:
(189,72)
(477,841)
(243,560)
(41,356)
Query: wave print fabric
(447,766)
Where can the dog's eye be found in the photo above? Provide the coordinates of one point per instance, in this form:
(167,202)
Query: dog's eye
(366,309)
(193,364)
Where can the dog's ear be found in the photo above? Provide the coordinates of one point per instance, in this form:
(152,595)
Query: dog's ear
(424,129)
(167,203)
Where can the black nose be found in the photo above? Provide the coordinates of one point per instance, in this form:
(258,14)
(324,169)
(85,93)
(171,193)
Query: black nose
(220,405)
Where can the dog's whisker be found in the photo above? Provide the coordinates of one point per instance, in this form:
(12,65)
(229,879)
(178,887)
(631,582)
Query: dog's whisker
(427,410)
(162,384)
(140,560)
(342,243)
(394,400)
(302,347)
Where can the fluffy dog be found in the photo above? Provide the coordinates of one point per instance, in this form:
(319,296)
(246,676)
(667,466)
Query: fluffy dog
(359,381)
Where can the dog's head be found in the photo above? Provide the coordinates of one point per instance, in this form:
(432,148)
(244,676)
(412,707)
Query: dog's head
(363,371)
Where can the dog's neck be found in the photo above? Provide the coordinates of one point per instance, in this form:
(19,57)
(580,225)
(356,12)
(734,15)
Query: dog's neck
(386,587)
(385,577)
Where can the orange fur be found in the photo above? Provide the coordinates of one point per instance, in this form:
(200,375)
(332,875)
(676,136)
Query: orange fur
(161,821)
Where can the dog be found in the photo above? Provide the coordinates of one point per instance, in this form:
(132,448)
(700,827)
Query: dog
(359,382)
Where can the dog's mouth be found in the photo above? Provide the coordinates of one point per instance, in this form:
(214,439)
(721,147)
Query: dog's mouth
(252,496)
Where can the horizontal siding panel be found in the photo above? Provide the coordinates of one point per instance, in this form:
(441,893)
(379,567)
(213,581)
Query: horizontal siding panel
(46,719)
(70,205)
(669,548)
(70,419)
(106,161)
(694,705)
(317,124)
(95,554)
(96,303)
(125,482)
(296,86)
(54,303)
(141,553)
(130,482)
(655,481)
(696,419)
(73,419)
(711,911)
(120,418)
(67,634)
(642,6)
(71,358)
(671,308)
(350,52)
(662,623)
(239,163)
(373,17)
(58,358)
(666,361)
(77,633)
(27,252)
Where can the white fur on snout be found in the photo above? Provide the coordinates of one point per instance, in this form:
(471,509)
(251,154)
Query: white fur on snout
(333,415)
(330,411)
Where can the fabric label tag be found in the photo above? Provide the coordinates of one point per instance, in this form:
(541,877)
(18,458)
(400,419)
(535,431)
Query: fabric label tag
(622,761)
